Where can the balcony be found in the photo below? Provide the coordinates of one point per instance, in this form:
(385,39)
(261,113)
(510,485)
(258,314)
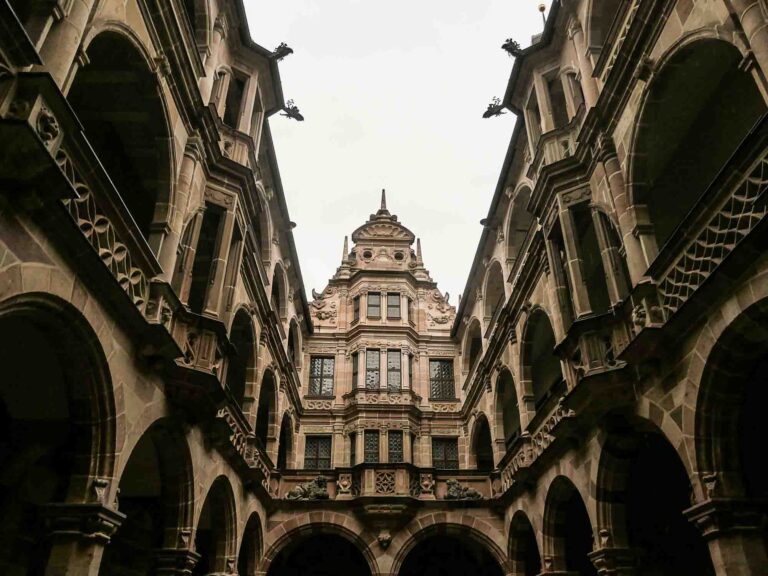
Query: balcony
(555,145)
(364,398)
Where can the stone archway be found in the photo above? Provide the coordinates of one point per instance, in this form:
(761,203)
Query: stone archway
(215,537)
(523,549)
(568,533)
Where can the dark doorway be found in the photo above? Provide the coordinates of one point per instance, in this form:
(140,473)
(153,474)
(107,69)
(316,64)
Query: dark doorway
(448,555)
(319,555)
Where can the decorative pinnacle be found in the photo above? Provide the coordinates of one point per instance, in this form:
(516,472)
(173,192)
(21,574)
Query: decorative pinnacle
(345,253)
(418,251)
(383,209)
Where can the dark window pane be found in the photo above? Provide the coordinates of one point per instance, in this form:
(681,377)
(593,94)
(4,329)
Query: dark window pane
(234,100)
(441,385)
(207,248)
(394,379)
(356,308)
(374,305)
(317,454)
(395,440)
(352,449)
(371,441)
(354,369)
(372,366)
(393,305)
(445,453)
(321,372)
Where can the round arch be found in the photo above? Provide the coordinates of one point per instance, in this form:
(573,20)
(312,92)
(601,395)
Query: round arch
(481,444)
(472,348)
(122,107)
(266,411)
(568,532)
(216,534)
(523,552)
(318,529)
(294,343)
(519,222)
(285,456)
(493,290)
(507,407)
(540,368)
(458,532)
(697,93)
(279,292)
(250,546)
(241,366)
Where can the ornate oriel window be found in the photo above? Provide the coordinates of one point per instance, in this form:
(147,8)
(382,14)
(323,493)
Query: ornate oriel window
(371,446)
(317,454)
(372,369)
(393,305)
(441,383)
(321,370)
(395,446)
(445,453)
(394,372)
(374,305)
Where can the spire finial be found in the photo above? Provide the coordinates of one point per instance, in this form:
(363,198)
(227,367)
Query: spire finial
(383,200)
(345,253)
(418,250)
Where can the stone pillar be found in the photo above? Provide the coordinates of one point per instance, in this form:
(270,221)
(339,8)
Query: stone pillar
(638,257)
(753,22)
(63,42)
(560,285)
(574,264)
(545,105)
(383,368)
(79,533)
(219,264)
(588,83)
(220,29)
(407,448)
(612,261)
(614,561)
(170,245)
(175,562)
(405,381)
(734,531)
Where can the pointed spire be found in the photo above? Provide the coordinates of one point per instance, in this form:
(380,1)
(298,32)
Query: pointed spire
(345,252)
(383,210)
(418,251)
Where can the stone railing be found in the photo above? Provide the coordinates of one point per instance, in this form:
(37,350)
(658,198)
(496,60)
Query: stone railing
(364,397)
(556,145)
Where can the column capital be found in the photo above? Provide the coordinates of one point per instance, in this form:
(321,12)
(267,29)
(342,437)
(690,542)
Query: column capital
(614,561)
(718,516)
(83,521)
(175,562)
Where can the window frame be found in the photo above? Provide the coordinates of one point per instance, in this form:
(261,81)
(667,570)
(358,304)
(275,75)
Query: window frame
(318,378)
(442,382)
(441,462)
(313,441)
(398,315)
(372,369)
(369,306)
(393,353)
(400,458)
(356,309)
(355,369)
(368,453)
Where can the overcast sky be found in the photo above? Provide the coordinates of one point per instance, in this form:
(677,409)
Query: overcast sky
(393,93)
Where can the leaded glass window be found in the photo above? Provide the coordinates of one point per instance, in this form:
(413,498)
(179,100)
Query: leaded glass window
(441,385)
(410,371)
(317,454)
(352,449)
(355,361)
(356,309)
(371,446)
(395,446)
(394,378)
(321,376)
(372,368)
(445,453)
(393,305)
(374,305)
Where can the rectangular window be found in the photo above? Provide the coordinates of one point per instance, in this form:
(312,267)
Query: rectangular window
(356,309)
(394,379)
(355,368)
(410,371)
(445,453)
(441,385)
(321,376)
(393,305)
(317,454)
(353,449)
(206,251)
(411,312)
(374,305)
(395,446)
(372,368)
(371,442)
(234,101)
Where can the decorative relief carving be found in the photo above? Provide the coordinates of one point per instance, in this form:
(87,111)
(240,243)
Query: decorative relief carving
(318,404)
(385,483)
(101,234)
(238,437)
(344,485)
(426,485)
(447,407)
(316,489)
(458,492)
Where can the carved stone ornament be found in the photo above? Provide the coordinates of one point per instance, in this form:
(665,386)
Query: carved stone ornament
(427,484)
(458,492)
(344,485)
(316,489)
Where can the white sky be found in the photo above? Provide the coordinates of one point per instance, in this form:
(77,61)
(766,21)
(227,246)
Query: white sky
(393,92)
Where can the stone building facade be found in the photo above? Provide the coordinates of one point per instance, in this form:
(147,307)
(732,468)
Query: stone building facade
(171,402)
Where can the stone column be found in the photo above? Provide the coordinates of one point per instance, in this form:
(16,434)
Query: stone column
(383,368)
(545,105)
(612,261)
(574,264)
(734,531)
(175,562)
(170,245)
(614,561)
(79,533)
(219,264)
(405,382)
(63,42)
(220,29)
(639,257)
(560,284)
(588,84)
(753,22)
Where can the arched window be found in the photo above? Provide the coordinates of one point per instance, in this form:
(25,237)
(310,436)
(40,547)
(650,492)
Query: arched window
(241,365)
(700,107)
(285,448)
(567,529)
(265,413)
(117,98)
(473,346)
(602,15)
(520,221)
(215,537)
(294,344)
(494,291)
(278,293)
(523,549)
(482,446)
(541,366)
(507,406)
